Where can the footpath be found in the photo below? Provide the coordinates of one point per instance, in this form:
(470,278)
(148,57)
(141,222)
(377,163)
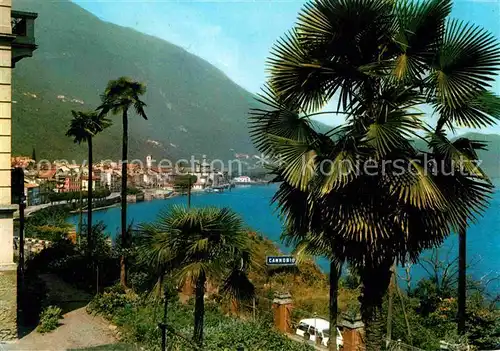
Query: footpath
(78,329)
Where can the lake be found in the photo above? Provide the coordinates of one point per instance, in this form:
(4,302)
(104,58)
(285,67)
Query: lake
(253,204)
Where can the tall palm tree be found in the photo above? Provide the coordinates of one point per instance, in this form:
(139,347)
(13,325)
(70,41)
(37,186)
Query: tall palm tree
(82,128)
(119,97)
(202,244)
(382,198)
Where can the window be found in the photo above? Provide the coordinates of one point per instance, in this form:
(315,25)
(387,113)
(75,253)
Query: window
(326,333)
(303,327)
(312,331)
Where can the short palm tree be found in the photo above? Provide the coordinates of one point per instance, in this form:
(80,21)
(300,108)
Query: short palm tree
(120,96)
(83,127)
(201,244)
(380,197)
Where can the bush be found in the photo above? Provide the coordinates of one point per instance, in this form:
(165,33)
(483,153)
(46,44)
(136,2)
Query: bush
(108,303)
(138,320)
(48,232)
(49,319)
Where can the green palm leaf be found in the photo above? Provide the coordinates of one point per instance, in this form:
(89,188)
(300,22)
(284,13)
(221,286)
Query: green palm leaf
(480,111)
(419,27)
(465,65)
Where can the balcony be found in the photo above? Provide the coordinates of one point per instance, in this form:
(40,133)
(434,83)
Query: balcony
(23,30)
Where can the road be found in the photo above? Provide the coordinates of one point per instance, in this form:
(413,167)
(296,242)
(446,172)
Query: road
(31,209)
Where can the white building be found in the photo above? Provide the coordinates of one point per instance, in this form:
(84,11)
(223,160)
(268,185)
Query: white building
(242,179)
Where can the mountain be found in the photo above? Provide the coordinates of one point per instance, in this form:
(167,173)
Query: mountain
(490,159)
(193,107)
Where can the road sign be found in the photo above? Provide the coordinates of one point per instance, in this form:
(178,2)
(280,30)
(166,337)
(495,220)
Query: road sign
(281,261)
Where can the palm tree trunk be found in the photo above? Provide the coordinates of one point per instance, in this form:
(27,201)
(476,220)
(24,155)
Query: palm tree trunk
(199,310)
(335,270)
(89,202)
(123,261)
(80,220)
(390,304)
(462,284)
(375,284)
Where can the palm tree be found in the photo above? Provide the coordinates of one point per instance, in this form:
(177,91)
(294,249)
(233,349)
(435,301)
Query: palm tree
(83,127)
(119,97)
(381,197)
(306,230)
(201,244)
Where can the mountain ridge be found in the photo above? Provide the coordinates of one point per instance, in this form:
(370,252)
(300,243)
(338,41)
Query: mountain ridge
(191,103)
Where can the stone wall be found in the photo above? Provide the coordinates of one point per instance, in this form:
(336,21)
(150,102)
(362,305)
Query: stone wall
(8,303)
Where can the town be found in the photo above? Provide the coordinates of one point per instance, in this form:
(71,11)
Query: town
(59,180)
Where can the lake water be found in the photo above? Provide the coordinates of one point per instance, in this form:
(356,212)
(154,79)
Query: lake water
(253,204)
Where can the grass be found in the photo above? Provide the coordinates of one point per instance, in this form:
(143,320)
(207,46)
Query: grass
(110,347)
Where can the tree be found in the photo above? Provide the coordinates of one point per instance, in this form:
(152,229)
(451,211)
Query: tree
(119,97)
(382,196)
(202,244)
(83,127)
(184,183)
(308,232)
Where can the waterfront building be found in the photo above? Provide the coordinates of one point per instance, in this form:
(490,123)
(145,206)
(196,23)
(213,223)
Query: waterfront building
(95,182)
(32,193)
(242,179)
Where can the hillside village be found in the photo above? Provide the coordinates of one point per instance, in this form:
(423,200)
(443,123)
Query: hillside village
(45,179)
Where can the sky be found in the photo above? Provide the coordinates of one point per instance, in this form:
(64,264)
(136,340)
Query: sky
(236,36)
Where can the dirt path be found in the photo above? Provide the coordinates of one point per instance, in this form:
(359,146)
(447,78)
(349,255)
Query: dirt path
(78,329)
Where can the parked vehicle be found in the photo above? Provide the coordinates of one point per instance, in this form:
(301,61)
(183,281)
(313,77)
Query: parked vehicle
(313,328)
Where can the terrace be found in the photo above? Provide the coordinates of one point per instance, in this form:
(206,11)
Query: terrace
(23,32)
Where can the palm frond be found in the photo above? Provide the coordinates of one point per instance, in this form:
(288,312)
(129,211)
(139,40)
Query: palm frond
(419,28)
(466,64)
(480,111)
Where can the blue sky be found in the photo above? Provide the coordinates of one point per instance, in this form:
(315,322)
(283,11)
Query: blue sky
(236,36)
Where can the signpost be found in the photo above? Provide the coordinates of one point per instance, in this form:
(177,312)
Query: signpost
(281,261)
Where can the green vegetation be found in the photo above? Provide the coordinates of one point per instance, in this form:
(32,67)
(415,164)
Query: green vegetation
(364,193)
(73,196)
(48,223)
(183,182)
(138,317)
(133,191)
(49,319)
(111,347)
(70,261)
(429,306)
(78,53)
(119,97)
(202,245)
(431,312)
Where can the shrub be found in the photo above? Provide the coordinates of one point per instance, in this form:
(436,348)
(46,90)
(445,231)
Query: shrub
(108,303)
(138,321)
(49,319)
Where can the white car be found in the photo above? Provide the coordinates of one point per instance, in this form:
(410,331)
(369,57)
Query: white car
(311,328)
